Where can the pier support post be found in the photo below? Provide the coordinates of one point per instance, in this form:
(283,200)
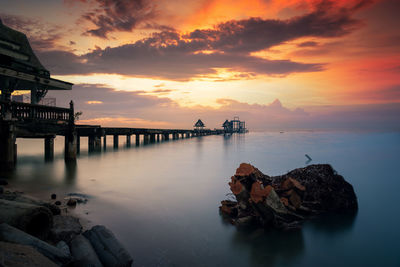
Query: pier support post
(116,141)
(166,136)
(104,142)
(146,139)
(71,137)
(94,143)
(137,141)
(158,138)
(91,143)
(78,144)
(152,138)
(8,147)
(70,150)
(97,143)
(128,141)
(49,148)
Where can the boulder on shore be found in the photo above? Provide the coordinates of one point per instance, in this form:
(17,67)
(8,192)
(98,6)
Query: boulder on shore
(285,201)
(83,252)
(33,219)
(65,228)
(13,235)
(16,255)
(109,250)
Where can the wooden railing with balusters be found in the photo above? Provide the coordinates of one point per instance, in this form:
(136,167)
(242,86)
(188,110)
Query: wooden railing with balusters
(33,112)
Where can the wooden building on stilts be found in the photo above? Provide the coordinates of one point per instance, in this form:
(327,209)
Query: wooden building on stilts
(21,70)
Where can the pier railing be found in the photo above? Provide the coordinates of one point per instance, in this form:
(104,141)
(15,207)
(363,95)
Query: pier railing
(26,111)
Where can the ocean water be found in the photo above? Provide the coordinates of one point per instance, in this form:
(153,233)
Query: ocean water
(161,200)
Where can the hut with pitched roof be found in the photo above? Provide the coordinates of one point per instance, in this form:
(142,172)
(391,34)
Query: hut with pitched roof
(199,125)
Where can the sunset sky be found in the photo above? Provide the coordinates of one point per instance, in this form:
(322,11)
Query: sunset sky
(298,64)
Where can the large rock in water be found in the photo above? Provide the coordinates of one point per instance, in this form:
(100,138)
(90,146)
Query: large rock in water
(285,201)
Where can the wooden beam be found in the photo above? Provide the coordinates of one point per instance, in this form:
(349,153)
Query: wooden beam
(49,83)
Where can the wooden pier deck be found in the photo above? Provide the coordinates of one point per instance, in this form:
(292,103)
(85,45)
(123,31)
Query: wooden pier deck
(23,120)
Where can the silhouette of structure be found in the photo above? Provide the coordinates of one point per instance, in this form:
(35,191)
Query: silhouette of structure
(21,70)
(199,125)
(234,126)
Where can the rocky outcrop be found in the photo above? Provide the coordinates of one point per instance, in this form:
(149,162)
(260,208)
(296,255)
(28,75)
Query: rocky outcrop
(38,233)
(287,200)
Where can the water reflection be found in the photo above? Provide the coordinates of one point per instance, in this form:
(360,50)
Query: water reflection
(70,172)
(269,248)
(332,224)
(277,248)
(162,198)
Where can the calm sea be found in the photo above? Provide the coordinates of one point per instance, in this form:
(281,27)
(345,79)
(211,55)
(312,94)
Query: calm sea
(161,200)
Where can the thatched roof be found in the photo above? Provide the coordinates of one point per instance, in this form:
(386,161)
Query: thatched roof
(199,123)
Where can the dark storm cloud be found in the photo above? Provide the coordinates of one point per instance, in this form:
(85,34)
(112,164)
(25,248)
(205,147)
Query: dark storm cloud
(42,36)
(170,55)
(116,15)
(180,63)
(256,34)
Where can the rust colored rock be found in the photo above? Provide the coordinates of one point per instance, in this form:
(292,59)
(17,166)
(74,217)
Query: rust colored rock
(225,209)
(291,183)
(258,192)
(245,169)
(228,207)
(236,186)
(287,193)
(285,201)
(295,200)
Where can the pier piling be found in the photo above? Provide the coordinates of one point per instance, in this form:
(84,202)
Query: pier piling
(49,148)
(70,149)
(137,141)
(8,146)
(116,141)
(128,140)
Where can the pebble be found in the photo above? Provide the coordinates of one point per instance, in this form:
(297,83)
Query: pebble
(71,202)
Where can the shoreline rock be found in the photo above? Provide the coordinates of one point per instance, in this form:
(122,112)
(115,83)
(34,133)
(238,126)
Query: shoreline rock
(59,241)
(285,201)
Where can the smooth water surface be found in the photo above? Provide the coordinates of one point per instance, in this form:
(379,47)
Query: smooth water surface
(161,200)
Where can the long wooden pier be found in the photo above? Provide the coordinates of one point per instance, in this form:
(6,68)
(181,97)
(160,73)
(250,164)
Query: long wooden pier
(20,69)
(23,120)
